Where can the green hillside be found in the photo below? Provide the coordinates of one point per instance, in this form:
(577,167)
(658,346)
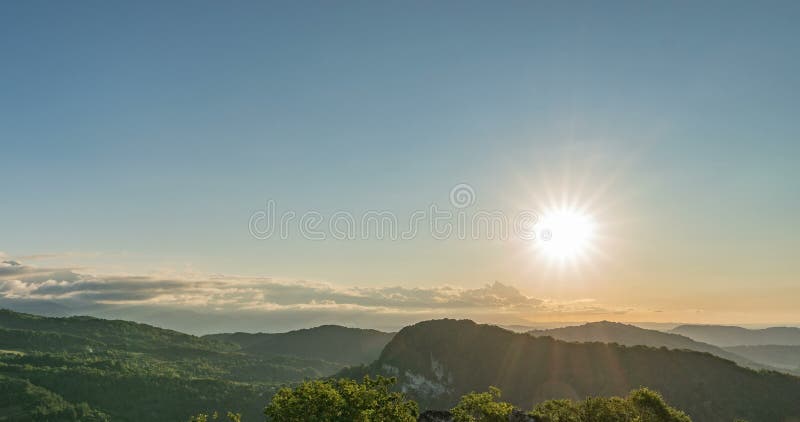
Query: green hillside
(22,401)
(349,346)
(785,357)
(113,334)
(135,372)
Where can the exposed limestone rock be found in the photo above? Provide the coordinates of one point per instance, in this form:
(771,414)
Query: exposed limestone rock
(422,386)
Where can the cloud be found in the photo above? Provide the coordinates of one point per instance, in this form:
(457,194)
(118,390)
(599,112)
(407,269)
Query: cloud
(299,299)
(249,293)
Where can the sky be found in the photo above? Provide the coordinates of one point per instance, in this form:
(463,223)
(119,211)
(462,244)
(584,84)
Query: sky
(141,141)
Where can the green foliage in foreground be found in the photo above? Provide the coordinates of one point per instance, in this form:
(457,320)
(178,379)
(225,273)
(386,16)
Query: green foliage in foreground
(342,400)
(482,407)
(345,400)
(640,405)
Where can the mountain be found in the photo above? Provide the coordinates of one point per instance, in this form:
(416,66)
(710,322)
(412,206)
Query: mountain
(333,343)
(78,368)
(436,362)
(784,357)
(38,307)
(120,334)
(629,335)
(727,336)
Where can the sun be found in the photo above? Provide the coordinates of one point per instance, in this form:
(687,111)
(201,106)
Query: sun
(566,234)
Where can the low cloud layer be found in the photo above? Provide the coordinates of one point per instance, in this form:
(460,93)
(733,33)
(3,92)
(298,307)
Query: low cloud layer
(264,301)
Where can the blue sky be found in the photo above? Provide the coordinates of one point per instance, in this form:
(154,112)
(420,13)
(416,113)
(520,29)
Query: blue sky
(139,137)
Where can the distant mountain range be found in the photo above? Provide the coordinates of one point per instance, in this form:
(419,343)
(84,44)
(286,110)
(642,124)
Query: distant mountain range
(438,361)
(333,343)
(786,358)
(727,336)
(629,335)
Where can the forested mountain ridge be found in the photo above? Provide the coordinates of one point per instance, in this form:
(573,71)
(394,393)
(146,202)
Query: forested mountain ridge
(785,357)
(333,343)
(630,335)
(727,335)
(438,361)
(129,335)
(129,371)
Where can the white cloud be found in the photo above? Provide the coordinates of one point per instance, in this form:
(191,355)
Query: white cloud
(277,298)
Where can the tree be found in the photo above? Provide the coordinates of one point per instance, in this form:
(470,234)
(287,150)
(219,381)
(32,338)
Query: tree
(341,400)
(651,407)
(204,417)
(557,411)
(482,407)
(640,405)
